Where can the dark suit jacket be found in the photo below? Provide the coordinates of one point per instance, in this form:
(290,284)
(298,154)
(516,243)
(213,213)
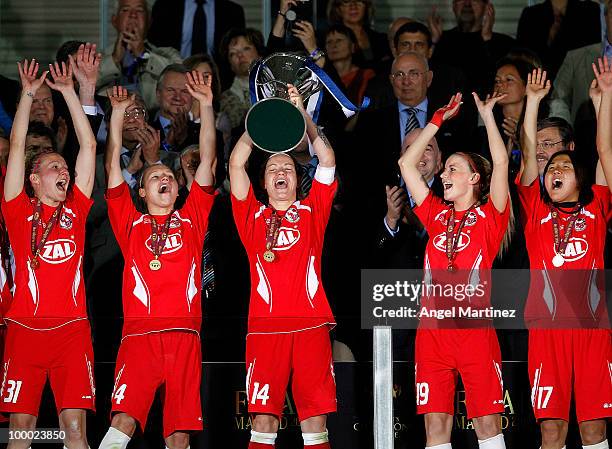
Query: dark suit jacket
(580,27)
(167,22)
(9,94)
(407,248)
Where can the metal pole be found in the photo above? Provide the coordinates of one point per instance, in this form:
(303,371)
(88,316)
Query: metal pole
(267,16)
(103,24)
(383,388)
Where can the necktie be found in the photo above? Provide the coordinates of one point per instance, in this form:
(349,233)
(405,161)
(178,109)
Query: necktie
(208,269)
(198,35)
(412,122)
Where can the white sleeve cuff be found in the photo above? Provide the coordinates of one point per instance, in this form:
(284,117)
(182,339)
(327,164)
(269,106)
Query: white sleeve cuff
(391,231)
(129,178)
(90,110)
(325,175)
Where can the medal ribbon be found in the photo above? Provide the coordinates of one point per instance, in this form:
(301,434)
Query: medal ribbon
(272,230)
(452,239)
(560,245)
(158,241)
(47,227)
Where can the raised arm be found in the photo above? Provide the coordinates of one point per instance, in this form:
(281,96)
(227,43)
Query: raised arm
(537,88)
(15,170)
(413,154)
(603,73)
(321,145)
(120,101)
(85,166)
(200,88)
(498,192)
(239,179)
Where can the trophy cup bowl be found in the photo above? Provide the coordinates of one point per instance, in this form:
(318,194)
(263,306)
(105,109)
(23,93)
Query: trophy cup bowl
(273,123)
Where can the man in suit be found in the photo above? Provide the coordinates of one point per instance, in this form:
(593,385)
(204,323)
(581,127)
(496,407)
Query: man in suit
(133,61)
(401,238)
(414,36)
(173,23)
(174,120)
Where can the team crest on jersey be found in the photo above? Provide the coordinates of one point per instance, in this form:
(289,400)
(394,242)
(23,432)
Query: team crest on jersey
(471,218)
(58,251)
(175,223)
(580,224)
(439,242)
(174,242)
(65,222)
(576,249)
(292,215)
(287,237)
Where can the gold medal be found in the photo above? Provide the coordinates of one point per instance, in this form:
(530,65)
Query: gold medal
(269,256)
(155,265)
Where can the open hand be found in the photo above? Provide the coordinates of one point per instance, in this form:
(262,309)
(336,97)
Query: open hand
(486,107)
(85,66)
(28,70)
(537,85)
(149,139)
(603,74)
(434,21)
(178,129)
(62,77)
(199,86)
(304,31)
(120,99)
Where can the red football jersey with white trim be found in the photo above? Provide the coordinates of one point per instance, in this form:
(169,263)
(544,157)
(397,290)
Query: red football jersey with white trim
(477,248)
(53,294)
(167,299)
(286,294)
(572,295)
(7,262)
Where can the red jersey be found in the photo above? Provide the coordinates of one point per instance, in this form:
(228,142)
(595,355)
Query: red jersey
(7,261)
(53,294)
(558,296)
(477,247)
(286,294)
(167,299)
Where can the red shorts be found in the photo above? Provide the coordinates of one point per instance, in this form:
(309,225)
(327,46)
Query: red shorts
(171,360)
(562,359)
(304,356)
(64,355)
(443,354)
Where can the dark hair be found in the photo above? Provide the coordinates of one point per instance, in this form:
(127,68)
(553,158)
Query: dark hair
(412,27)
(39,129)
(333,17)
(299,170)
(252,36)
(141,204)
(172,68)
(522,66)
(66,49)
(585,192)
(340,28)
(565,129)
(194,60)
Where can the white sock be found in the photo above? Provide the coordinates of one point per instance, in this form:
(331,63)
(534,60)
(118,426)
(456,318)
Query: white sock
(114,439)
(263,438)
(496,442)
(440,446)
(312,439)
(602,445)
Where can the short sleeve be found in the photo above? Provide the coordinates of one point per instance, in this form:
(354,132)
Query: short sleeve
(244,214)
(602,195)
(15,211)
(429,210)
(121,212)
(529,198)
(321,198)
(81,202)
(197,206)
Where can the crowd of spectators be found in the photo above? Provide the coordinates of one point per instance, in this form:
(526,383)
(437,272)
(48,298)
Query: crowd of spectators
(407,73)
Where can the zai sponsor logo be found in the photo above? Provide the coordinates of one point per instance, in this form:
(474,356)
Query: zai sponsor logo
(58,251)
(174,242)
(439,242)
(576,249)
(287,237)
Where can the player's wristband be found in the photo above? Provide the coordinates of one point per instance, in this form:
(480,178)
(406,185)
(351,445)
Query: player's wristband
(438,117)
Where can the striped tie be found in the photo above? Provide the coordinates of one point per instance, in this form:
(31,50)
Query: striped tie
(208,271)
(412,122)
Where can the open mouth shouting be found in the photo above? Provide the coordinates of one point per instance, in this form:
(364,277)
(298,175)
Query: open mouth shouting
(281,184)
(164,187)
(447,185)
(557,184)
(62,185)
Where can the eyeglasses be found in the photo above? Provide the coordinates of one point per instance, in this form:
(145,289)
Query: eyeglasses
(546,145)
(348,2)
(135,113)
(413,75)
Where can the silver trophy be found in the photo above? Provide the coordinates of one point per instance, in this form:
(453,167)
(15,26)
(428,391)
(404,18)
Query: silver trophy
(273,122)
